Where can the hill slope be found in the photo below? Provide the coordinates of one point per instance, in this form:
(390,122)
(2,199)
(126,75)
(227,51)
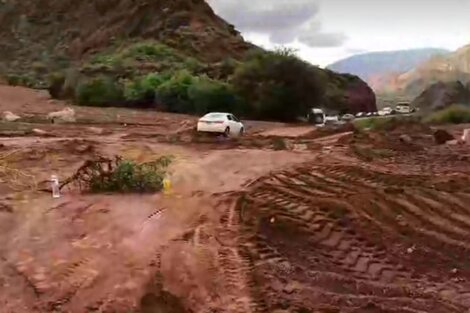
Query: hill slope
(125,39)
(449,68)
(377,67)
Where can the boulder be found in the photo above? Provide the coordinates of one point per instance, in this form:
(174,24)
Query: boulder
(441,136)
(66,115)
(10,117)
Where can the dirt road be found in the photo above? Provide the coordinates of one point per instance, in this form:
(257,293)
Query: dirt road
(278,221)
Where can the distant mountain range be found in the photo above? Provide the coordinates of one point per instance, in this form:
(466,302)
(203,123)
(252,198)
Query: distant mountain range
(448,68)
(380,69)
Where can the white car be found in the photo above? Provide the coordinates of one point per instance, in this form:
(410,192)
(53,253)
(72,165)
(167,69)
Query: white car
(220,123)
(331,119)
(347,117)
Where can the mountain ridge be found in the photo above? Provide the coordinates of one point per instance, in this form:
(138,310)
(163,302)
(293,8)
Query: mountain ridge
(379,67)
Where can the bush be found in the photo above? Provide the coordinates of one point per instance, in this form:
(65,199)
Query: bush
(207,95)
(173,96)
(21,80)
(278,85)
(455,114)
(129,176)
(142,89)
(100,91)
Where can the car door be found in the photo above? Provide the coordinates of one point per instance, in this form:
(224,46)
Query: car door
(236,124)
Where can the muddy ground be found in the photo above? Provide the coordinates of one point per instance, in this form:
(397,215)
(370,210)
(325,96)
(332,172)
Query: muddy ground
(285,219)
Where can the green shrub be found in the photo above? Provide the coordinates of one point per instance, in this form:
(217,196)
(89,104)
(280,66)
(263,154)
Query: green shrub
(455,114)
(278,85)
(129,176)
(150,50)
(207,95)
(173,96)
(100,91)
(142,90)
(21,80)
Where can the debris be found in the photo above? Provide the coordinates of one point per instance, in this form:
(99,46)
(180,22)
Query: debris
(405,138)
(10,117)
(466,136)
(272,220)
(66,115)
(96,130)
(84,148)
(291,287)
(454,271)
(55,187)
(5,208)
(39,132)
(411,249)
(441,136)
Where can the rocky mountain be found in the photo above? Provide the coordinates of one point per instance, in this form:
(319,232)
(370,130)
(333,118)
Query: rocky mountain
(379,68)
(448,68)
(441,95)
(77,40)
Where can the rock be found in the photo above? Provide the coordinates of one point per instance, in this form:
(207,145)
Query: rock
(10,117)
(405,138)
(96,130)
(442,136)
(66,115)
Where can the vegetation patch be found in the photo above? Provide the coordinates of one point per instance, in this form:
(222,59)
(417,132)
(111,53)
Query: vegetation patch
(455,114)
(118,175)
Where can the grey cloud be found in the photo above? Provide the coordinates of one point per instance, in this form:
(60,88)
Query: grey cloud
(323,40)
(284,21)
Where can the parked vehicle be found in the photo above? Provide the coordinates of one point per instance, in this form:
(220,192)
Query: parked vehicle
(403,108)
(220,123)
(360,114)
(386,111)
(316,116)
(333,119)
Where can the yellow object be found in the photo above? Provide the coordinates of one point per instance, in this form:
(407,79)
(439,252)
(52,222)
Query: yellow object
(166,186)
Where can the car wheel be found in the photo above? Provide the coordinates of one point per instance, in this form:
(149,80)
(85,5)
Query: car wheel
(227,132)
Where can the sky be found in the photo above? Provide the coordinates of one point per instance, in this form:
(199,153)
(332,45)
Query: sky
(324,31)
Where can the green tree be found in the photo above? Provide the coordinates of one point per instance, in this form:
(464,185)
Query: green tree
(100,91)
(207,95)
(278,85)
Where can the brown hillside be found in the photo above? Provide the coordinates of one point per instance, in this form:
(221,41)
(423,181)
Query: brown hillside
(38,31)
(40,38)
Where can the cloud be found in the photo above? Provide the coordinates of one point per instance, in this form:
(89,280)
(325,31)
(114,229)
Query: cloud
(323,40)
(283,21)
